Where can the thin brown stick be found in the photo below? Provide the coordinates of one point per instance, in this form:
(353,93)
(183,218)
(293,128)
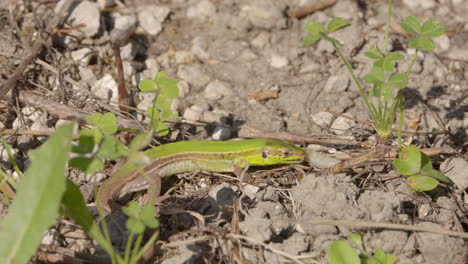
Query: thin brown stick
(26,132)
(250,132)
(376,225)
(36,49)
(309,9)
(66,112)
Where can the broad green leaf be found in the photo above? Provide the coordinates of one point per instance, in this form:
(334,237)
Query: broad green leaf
(311,39)
(422,183)
(88,139)
(74,206)
(388,61)
(147,86)
(161,129)
(87,165)
(108,123)
(398,80)
(132,210)
(38,197)
(163,103)
(426,163)
(375,76)
(135,225)
(410,163)
(340,252)
(421,43)
(356,240)
(384,258)
(168,86)
(435,174)
(148,217)
(374,53)
(411,25)
(313,28)
(112,148)
(386,92)
(432,28)
(168,116)
(152,113)
(337,23)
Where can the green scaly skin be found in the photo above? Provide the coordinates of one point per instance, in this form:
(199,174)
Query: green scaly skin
(192,156)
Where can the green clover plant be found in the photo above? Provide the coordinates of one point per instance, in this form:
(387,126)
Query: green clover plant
(385,99)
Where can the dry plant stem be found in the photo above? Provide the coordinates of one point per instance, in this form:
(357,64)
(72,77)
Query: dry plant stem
(376,225)
(309,9)
(250,132)
(64,255)
(35,50)
(123,95)
(66,112)
(26,132)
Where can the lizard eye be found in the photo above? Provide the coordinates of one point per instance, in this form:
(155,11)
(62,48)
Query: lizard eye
(264,155)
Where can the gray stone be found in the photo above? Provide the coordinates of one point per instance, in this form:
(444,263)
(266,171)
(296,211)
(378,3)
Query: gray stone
(129,70)
(442,43)
(151,18)
(124,27)
(266,14)
(82,56)
(184,56)
(221,133)
(87,13)
(261,40)
(152,65)
(129,51)
(338,82)
(106,88)
(278,61)
(216,90)
(420,4)
(322,119)
(87,75)
(200,48)
(342,125)
(184,88)
(458,54)
(192,114)
(202,9)
(457,170)
(194,75)
(320,160)
(146,100)
(213,117)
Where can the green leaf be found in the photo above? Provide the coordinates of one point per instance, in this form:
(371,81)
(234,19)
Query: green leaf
(410,164)
(337,23)
(148,217)
(168,86)
(375,76)
(38,197)
(132,210)
(435,174)
(87,165)
(163,103)
(398,80)
(74,206)
(135,225)
(161,129)
(390,59)
(421,43)
(356,240)
(147,86)
(311,39)
(87,140)
(340,252)
(112,148)
(384,258)
(313,28)
(422,183)
(107,123)
(432,28)
(374,53)
(411,25)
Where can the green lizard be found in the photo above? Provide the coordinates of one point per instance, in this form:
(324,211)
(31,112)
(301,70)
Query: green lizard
(188,156)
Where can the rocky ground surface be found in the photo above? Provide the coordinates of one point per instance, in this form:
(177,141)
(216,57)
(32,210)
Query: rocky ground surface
(242,62)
